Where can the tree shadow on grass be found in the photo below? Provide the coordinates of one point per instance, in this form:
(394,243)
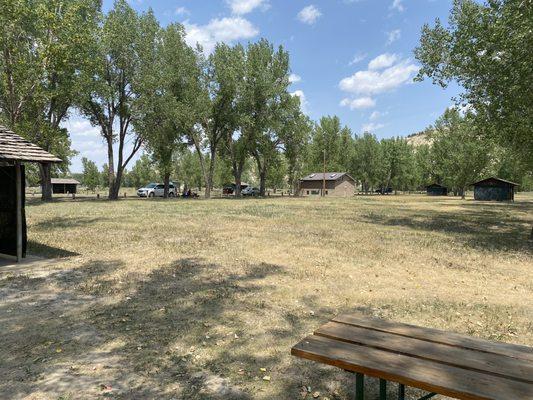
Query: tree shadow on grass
(187,330)
(43,250)
(179,332)
(477,228)
(67,222)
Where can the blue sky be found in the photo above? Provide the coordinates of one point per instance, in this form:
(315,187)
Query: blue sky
(351,58)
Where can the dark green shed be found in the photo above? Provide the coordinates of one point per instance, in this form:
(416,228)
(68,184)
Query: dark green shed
(436,190)
(494,189)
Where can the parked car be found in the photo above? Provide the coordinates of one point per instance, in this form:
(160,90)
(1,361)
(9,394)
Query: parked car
(156,190)
(250,191)
(230,189)
(384,190)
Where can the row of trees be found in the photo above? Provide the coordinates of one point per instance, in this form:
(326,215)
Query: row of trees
(452,153)
(229,113)
(142,85)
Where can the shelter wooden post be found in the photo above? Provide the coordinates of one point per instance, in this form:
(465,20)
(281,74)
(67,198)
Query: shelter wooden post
(19,205)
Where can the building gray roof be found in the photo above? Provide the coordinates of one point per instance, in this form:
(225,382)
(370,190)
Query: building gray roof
(15,148)
(496,179)
(64,181)
(330,176)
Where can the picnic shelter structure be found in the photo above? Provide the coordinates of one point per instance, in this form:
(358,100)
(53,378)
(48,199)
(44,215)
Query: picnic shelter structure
(15,151)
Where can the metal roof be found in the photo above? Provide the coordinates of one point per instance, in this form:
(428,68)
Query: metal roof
(64,181)
(15,148)
(496,179)
(330,176)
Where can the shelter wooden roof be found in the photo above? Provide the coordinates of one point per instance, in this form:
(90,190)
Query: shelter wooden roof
(64,181)
(15,148)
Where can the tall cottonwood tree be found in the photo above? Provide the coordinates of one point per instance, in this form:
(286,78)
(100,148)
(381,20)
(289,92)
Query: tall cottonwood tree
(43,47)
(265,100)
(336,141)
(108,96)
(217,106)
(459,154)
(486,48)
(235,142)
(91,175)
(166,79)
(296,145)
(398,163)
(367,162)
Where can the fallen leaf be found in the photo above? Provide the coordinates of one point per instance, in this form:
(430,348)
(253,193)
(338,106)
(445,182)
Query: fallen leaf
(266,378)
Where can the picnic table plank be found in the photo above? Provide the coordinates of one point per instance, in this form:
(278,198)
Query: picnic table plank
(411,371)
(437,336)
(491,363)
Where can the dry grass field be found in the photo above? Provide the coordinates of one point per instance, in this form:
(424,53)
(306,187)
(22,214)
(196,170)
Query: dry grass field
(194,299)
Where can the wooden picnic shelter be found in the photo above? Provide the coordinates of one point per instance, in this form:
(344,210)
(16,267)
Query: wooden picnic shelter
(15,151)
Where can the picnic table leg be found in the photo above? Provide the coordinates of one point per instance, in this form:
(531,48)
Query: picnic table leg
(401,392)
(382,389)
(359,386)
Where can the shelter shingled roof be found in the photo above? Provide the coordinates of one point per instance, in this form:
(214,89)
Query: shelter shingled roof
(15,148)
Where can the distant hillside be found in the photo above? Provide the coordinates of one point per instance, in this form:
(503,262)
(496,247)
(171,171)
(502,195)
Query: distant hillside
(418,139)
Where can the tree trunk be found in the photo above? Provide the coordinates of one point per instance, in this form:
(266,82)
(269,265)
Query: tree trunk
(166,181)
(262,174)
(262,183)
(237,168)
(202,165)
(210,173)
(46,184)
(112,191)
(238,183)
(295,187)
(463,193)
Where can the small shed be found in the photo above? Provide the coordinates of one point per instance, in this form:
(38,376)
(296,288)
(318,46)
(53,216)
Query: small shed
(494,189)
(436,190)
(336,184)
(14,152)
(64,185)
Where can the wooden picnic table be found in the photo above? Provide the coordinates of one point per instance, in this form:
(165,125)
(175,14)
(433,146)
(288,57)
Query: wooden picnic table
(436,361)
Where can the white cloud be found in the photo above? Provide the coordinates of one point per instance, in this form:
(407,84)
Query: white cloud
(181,11)
(304,104)
(377,114)
(358,58)
(397,5)
(293,78)
(384,60)
(371,126)
(358,103)
(241,7)
(393,36)
(309,14)
(219,30)
(81,128)
(369,82)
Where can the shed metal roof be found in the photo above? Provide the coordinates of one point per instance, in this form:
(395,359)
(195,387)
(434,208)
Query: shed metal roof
(496,179)
(64,181)
(330,176)
(15,148)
